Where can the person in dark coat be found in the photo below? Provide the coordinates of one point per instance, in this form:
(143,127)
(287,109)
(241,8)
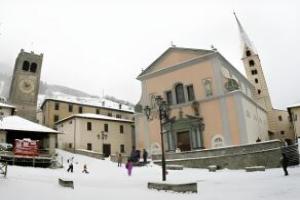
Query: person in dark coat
(70,169)
(145,156)
(284,163)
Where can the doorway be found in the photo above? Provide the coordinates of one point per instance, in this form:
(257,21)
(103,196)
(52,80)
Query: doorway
(106,150)
(183,141)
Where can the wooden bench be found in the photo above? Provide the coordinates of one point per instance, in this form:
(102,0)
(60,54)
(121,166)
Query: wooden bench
(66,183)
(212,168)
(255,168)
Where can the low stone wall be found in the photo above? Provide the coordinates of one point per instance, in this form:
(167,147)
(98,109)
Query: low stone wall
(186,187)
(266,154)
(92,154)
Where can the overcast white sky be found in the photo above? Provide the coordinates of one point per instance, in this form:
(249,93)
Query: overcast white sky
(98,46)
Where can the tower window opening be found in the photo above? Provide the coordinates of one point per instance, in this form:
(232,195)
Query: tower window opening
(280,118)
(256,80)
(33,67)
(248,53)
(258,91)
(25,66)
(254,71)
(251,62)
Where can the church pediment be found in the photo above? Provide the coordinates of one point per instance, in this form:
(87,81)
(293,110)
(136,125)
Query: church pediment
(172,57)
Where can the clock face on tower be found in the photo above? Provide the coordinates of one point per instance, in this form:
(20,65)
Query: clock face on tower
(27,86)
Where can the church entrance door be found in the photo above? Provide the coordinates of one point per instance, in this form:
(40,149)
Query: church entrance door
(183,141)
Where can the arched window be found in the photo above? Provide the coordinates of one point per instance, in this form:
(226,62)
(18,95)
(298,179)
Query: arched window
(251,62)
(248,53)
(25,66)
(33,67)
(179,90)
(217,141)
(258,91)
(208,87)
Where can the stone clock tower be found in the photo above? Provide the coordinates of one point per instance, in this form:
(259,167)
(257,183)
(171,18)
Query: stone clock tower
(25,84)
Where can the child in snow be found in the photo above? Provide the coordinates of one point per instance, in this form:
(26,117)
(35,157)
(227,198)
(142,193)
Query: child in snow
(129,167)
(85,169)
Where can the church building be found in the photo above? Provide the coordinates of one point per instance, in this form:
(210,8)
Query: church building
(211,103)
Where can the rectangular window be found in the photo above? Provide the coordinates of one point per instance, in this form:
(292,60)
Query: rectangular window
(70,145)
(89,146)
(118,116)
(105,127)
(109,114)
(121,129)
(70,108)
(122,148)
(279,118)
(97,111)
(56,118)
(190,91)
(169,97)
(80,109)
(56,106)
(89,126)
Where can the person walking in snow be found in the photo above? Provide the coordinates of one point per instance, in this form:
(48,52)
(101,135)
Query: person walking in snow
(145,156)
(120,160)
(70,161)
(284,163)
(129,167)
(85,169)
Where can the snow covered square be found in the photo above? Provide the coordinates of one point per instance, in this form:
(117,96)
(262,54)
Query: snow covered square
(107,181)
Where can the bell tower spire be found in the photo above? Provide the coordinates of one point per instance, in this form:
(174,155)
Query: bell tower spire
(254,72)
(246,43)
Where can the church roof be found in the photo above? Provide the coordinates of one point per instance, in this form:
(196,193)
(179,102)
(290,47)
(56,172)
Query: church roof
(200,52)
(246,42)
(17,123)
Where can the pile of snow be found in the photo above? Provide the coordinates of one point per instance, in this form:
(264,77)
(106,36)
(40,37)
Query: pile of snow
(107,181)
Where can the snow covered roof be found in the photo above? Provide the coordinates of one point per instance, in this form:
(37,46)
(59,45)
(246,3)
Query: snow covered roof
(20,124)
(294,105)
(95,116)
(4,105)
(90,101)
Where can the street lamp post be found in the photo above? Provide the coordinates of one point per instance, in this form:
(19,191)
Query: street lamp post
(163,118)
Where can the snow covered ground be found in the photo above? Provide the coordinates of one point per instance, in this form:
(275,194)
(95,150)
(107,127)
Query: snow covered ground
(108,182)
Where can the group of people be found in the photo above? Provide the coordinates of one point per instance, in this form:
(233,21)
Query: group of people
(134,157)
(71,166)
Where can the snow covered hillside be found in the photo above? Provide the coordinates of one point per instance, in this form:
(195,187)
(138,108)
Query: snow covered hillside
(108,182)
